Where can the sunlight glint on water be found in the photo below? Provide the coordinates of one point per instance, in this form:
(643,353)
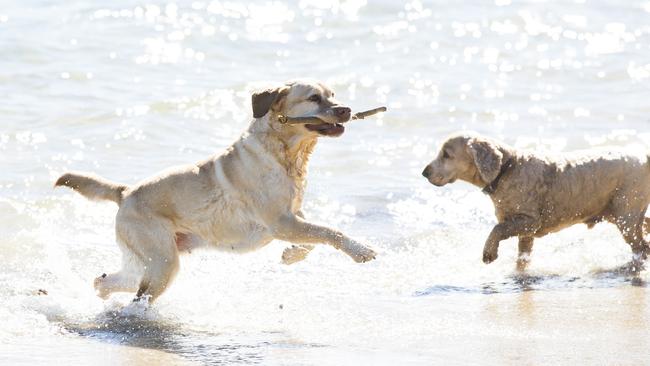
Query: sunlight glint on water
(126,89)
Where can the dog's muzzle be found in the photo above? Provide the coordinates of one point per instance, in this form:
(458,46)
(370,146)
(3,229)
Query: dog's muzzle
(427,171)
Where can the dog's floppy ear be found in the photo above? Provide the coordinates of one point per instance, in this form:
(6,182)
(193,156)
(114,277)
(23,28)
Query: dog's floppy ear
(264,100)
(487,158)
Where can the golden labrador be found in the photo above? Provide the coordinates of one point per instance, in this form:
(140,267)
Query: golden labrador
(239,200)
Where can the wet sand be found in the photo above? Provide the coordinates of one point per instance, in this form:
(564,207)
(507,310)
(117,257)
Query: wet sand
(78,351)
(529,327)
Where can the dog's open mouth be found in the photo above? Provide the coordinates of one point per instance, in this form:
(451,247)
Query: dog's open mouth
(327,129)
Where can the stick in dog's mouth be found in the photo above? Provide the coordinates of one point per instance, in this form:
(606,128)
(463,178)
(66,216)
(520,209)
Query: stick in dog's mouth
(316,120)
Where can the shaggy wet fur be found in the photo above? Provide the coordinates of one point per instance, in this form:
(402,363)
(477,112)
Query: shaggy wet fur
(534,195)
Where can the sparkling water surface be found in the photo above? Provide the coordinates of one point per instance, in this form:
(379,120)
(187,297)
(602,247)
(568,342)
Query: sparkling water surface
(127,88)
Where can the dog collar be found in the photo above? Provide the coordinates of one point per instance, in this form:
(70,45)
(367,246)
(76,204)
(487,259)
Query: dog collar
(492,186)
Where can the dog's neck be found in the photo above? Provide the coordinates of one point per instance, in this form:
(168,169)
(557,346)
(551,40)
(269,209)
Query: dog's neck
(474,177)
(291,151)
(492,186)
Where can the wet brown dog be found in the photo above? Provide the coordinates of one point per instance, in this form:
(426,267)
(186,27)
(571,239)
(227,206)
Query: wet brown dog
(535,195)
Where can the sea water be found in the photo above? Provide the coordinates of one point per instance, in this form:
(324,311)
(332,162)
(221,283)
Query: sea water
(127,88)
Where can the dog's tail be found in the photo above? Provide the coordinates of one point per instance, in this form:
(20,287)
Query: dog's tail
(92,186)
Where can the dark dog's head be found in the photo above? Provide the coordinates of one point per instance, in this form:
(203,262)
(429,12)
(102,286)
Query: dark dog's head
(472,158)
(302,98)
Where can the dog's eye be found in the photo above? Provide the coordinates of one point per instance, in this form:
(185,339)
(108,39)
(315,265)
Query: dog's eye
(315,98)
(445,154)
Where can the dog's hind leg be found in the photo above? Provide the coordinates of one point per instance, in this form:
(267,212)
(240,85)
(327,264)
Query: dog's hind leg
(125,280)
(646,225)
(159,270)
(631,227)
(121,281)
(157,277)
(153,242)
(628,215)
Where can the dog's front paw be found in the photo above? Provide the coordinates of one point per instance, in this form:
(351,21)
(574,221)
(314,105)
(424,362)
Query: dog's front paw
(490,254)
(360,253)
(294,254)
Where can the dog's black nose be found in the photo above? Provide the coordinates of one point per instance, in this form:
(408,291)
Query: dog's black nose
(342,112)
(427,171)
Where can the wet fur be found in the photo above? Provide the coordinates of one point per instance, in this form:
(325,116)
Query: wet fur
(539,194)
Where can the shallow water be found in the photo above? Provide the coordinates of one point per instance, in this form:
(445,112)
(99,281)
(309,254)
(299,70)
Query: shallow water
(133,88)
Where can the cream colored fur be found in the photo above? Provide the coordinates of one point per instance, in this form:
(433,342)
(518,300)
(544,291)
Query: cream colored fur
(239,200)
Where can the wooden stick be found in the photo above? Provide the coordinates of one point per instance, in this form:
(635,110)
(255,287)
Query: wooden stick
(299,120)
(316,120)
(364,114)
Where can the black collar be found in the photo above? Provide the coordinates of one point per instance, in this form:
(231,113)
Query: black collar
(492,186)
